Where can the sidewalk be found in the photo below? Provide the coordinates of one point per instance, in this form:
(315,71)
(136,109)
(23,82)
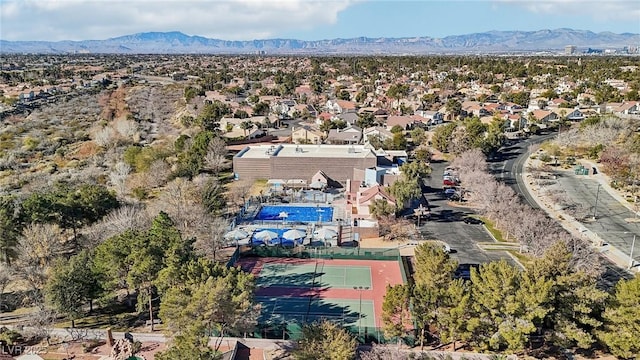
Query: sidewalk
(572,225)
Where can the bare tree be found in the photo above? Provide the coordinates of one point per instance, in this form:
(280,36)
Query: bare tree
(118,177)
(460,142)
(181,201)
(126,128)
(38,247)
(216,155)
(381,352)
(158,173)
(393,229)
(582,256)
(116,222)
(470,161)
(240,191)
(41,322)
(211,244)
(5,280)
(104,137)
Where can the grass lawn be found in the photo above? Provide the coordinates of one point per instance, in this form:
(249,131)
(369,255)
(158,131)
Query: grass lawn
(497,234)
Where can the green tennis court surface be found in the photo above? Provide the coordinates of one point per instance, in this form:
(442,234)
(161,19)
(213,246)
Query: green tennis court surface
(349,313)
(314,275)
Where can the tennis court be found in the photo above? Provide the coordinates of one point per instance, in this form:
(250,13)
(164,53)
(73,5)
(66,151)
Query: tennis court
(314,275)
(347,312)
(295,291)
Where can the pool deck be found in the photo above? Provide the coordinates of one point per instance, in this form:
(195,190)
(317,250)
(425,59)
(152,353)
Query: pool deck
(308,228)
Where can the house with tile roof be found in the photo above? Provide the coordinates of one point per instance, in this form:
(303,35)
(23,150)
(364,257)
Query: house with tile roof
(306,135)
(406,122)
(341,106)
(379,131)
(346,136)
(359,198)
(544,116)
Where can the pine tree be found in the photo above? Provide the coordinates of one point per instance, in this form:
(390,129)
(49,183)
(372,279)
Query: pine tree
(454,313)
(621,333)
(506,305)
(434,271)
(72,285)
(575,302)
(434,267)
(325,341)
(396,316)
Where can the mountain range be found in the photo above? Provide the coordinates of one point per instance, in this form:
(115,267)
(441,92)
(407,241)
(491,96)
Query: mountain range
(487,42)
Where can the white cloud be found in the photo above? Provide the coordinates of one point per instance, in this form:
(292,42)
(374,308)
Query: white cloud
(599,10)
(101,19)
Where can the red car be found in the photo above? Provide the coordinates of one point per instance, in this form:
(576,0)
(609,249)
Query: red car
(447,182)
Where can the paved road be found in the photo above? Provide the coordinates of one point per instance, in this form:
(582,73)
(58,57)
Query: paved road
(610,224)
(508,165)
(614,223)
(446,225)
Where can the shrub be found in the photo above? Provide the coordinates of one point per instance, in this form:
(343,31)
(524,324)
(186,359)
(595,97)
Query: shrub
(140,193)
(10,337)
(141,158)
(89,346)
(30,143)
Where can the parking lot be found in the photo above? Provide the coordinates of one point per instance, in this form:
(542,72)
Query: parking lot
(447,223)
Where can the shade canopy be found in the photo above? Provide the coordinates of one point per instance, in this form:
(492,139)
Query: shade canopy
(294,234)
(236,234)
(265,235)
(325,234)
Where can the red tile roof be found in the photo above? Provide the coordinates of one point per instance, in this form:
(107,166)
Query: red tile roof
(369,193)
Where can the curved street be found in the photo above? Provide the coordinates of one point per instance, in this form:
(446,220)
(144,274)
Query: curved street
(613,230)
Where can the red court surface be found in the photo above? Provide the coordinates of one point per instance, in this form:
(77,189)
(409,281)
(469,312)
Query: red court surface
(383,273)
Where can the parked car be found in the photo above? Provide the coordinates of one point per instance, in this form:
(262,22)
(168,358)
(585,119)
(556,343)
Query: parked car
(472,220)
(449,191)
(464,271)
(447,182)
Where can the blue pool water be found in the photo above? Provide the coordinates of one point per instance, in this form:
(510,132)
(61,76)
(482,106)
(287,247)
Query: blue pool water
(296,213)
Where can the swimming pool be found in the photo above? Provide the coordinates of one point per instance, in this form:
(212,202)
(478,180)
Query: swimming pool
(296,213)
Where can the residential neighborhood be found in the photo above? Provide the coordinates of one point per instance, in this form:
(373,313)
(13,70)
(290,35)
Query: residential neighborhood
(228,204)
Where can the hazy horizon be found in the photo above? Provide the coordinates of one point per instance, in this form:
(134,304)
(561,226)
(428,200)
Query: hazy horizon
(306,19)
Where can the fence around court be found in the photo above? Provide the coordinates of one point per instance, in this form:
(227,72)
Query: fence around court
(306,252)
(289,326)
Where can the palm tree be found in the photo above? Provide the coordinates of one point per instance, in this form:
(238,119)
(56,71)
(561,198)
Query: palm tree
(246,125)
(454,107)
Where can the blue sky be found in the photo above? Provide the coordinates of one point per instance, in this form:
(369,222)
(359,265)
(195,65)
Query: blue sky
(306,19)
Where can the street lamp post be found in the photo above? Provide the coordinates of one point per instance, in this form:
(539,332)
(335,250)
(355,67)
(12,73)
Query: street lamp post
(595,208)
(633,244)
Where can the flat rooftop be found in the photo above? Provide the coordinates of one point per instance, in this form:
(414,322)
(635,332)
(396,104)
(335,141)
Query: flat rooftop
(309,151)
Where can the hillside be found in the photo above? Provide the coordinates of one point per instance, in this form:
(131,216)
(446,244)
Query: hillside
(180,43)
